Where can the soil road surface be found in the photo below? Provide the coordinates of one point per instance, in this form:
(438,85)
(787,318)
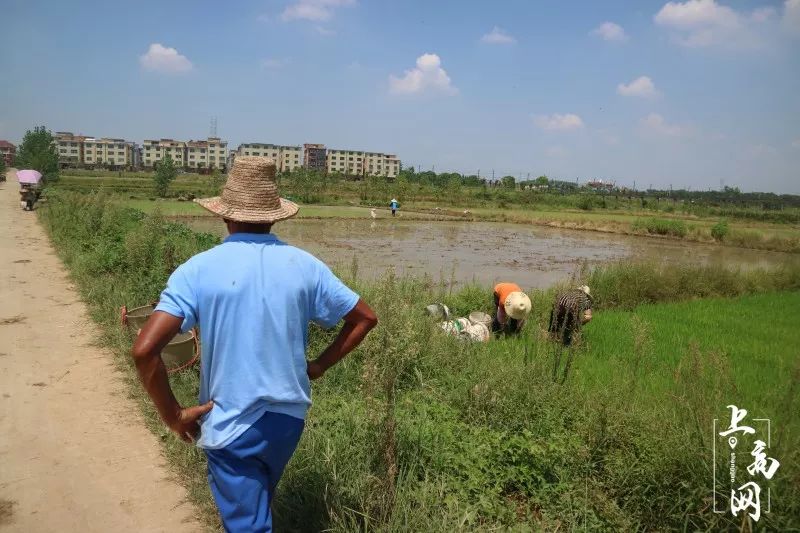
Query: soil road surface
(74,452)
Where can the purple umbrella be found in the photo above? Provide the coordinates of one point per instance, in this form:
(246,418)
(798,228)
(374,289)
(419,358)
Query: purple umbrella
(29,176)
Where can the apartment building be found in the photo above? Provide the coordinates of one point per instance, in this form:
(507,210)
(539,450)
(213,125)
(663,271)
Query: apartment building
(314,157)
(108,153)
(210,154)
(69,148)
(358,163)
(286,158)
(8,152)
(154,151)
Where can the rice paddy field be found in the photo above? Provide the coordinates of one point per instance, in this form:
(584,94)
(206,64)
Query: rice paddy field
(323,198)
(418,431)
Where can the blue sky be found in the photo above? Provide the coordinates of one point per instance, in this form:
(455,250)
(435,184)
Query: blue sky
(688,93)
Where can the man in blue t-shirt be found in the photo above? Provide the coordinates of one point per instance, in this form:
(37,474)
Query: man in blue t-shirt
(252,298)
(394,206)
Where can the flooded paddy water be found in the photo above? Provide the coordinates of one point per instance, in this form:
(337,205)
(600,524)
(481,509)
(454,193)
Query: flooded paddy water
(487,252)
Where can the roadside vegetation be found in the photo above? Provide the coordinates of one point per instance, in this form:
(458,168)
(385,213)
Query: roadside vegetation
(417,431)
(754,220)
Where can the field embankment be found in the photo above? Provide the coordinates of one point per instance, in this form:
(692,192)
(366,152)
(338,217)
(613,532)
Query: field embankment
(417,431)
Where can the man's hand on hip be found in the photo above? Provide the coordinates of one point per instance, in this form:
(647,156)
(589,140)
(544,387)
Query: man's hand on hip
(185,423)
(315,370)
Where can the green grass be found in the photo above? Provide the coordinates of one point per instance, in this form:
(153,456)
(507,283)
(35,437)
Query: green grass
(416,431)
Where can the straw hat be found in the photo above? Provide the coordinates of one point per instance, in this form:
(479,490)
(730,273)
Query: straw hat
(585,289)
(250,194)
(517,305)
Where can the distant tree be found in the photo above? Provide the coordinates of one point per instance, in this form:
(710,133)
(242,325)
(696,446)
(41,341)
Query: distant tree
(2,166)
(541,180)
(217,181)
(165,174)
(38,152)
(454,188)
(508,182)
(401,188)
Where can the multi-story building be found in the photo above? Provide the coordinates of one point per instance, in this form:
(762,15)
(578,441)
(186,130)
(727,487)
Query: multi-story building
(109,153)
(314,157)
(358,163)
(286,158)
(377,164)
(154,151)
(209,154)
(70,148)
(8,152)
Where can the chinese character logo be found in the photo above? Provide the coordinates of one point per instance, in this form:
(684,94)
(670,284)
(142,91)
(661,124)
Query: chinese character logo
(746,497)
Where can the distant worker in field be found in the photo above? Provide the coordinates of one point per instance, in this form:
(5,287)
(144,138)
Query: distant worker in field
(571,310)
(394,206)
(253,297)
(512,307)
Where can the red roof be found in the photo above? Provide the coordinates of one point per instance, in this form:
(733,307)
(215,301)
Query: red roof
(6,144)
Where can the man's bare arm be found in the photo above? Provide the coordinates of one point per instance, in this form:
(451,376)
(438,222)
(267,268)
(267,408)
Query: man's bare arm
(357,323)
(155,335)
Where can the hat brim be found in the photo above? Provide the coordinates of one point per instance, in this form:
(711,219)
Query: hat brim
(218,206)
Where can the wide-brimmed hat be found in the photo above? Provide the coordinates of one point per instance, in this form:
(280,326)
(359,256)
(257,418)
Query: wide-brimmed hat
(251,194)
(517,305)
(585,289)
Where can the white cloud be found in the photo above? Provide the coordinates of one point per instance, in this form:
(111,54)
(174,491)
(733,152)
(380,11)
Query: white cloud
(558,122)
(610,32)
(655,123)
(696,13)
(642,86)
(314,10)
(498,36)
(791,15)
(274,63)
(705,23)
(556,151)
(428,75)
(163,59)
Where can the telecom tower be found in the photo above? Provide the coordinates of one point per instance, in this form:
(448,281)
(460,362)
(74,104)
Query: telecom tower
(213,129)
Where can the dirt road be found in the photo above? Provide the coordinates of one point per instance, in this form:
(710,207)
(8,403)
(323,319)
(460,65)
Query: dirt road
(74,452)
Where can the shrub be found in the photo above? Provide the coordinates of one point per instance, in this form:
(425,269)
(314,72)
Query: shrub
(719,230)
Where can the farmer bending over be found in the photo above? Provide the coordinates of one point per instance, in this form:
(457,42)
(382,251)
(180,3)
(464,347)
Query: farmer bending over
(253,297)
(571,310)
(511,308)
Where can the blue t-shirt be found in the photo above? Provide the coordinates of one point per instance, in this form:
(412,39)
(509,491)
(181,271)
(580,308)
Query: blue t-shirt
(253,297)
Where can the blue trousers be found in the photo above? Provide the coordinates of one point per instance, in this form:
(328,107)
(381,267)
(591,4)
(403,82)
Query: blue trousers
(244,474)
